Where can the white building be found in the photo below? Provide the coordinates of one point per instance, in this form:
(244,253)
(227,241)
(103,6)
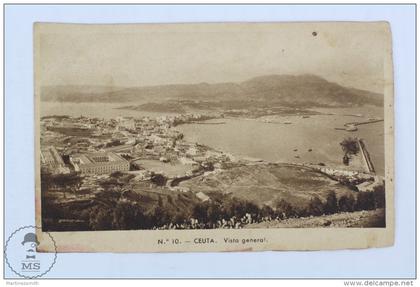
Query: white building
(99,163)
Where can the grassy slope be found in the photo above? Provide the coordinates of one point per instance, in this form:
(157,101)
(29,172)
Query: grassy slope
(265,184)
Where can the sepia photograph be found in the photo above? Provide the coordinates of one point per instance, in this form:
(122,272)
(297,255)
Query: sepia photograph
(194,142)
(220,126)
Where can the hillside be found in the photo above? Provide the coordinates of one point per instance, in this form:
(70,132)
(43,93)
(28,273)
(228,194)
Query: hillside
(267,184)
(287,90)
(364,218)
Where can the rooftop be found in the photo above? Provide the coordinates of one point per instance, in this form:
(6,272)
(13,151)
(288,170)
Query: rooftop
(98,157)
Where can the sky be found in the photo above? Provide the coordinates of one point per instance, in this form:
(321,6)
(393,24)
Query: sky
(349,54)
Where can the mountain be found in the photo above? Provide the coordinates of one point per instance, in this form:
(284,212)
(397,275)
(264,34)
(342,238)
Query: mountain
(288,90)
(308,90)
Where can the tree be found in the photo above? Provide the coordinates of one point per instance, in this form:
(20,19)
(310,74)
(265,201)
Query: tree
(112,184)
(331,204)
(116,174)
(214,212)
(350,147)
(160,217)
(284,209)
(249,207)
(346,203)
(346,159)
(170,199)
(200,212)
(116,182)
(158,179)
(100,218)
(70,181)
(266,211)
(315,206)
(108,197)
(160,201)
(127,215)
(365,201)
(379,194)
(180,218)
(47,180)
(239,208)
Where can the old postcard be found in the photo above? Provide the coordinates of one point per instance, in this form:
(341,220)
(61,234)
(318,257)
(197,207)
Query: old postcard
(214,136)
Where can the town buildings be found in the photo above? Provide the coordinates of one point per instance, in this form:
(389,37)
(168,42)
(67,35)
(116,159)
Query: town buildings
(99,163)
(126,123)
(51,160)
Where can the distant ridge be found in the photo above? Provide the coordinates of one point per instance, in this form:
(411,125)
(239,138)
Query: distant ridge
(288,90)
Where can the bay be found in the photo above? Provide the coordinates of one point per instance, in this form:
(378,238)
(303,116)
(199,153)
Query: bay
(292,138)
